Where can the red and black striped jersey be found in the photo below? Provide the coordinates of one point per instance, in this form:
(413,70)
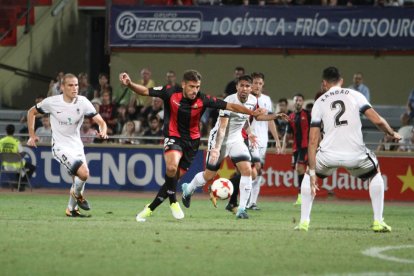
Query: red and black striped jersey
(299,125)
(181,115)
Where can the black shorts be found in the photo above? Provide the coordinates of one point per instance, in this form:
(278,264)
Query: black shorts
(188,148)
(300,157)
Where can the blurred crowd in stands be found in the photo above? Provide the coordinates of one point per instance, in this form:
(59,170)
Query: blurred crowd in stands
(128,116)
(133,119)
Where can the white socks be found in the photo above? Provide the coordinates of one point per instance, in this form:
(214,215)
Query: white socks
(376,192)
(198,181)
(245,188)
(255,190)
(79,186)
(307,199)
(71,203)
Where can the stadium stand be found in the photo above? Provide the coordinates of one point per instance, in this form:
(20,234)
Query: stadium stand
(371,134)
(391,113)
(14,13)
(8,116)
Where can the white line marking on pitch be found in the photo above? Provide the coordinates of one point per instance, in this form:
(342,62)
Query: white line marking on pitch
(377,252)
(388,273)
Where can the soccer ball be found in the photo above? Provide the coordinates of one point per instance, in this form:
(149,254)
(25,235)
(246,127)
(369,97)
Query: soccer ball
(222,188)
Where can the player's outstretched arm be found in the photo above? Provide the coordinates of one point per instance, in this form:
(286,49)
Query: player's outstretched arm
(239,109)
(102,126)
(272,116)
(381,123)
(31,115)
(137,88)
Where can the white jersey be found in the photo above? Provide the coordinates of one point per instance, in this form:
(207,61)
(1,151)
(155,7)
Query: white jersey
(66,119)
(236,120)
(261,128)
(337,112)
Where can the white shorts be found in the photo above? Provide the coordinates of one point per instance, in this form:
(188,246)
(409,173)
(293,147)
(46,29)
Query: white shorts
(258,154)
(238,151)
(362,166)
(70,158)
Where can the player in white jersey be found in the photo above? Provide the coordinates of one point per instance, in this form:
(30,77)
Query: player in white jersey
(261,130)
(67,111)
(226,140)
(335,115)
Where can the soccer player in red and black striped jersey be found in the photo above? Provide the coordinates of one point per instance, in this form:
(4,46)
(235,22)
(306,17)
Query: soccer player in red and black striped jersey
(299,125)
(183,110)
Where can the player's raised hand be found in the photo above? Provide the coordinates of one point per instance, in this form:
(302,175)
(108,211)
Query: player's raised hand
(282,116)
(32,141)
(103,135)
(253,140)
(314,185)
(259,111)
(278,148)
(396,136)
(124,79)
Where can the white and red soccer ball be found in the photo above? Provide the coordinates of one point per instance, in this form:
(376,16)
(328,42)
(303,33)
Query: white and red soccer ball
(222,188)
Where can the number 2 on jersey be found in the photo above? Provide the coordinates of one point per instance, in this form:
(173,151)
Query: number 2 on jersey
(341,106)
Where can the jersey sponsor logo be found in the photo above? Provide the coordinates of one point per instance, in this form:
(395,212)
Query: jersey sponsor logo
(58,112)
(159,25)
(194,106)
(158,88)
(66,123)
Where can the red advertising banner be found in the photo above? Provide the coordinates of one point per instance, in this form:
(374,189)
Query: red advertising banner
(279,179)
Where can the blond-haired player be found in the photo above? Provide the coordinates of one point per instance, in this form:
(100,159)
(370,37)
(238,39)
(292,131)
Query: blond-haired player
(67,111)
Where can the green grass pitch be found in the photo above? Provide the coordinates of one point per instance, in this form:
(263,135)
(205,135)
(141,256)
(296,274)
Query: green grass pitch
(37,239)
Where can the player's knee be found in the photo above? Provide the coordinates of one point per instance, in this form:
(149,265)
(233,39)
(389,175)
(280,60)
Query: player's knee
(209,175)
(246,171)
(254,174)
(83,173)
(171,169)
(300,169)
(84,176)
